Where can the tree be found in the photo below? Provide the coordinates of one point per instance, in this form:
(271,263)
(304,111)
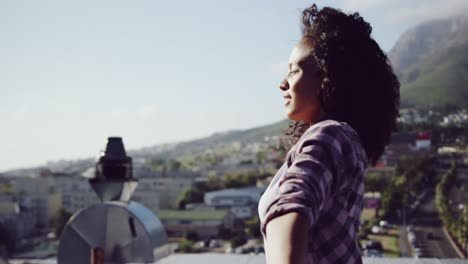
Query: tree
(239,180)
(261,157)
(214,183)
(224,233)
(238,240)
(456,225)
(190,195)
(391,201)
(191,235)
(253,227)
(175,164)
(232,181)
(60,221)
(185,246)
(248,179)
(375,183)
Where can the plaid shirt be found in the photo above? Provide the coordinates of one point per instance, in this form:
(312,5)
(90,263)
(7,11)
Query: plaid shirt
(322,178)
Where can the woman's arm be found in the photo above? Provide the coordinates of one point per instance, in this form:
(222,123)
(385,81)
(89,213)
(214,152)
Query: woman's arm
(287,239)
(315,175)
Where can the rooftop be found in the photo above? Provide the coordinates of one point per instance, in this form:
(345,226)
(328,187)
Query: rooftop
(191,215)
(237,191)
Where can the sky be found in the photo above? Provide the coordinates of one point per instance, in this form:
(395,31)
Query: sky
(73,73)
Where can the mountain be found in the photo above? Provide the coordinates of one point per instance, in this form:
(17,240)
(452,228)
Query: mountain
(257,134)
(431,61)
(166,151)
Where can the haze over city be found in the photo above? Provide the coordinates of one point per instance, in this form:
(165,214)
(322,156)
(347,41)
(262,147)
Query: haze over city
(74,73)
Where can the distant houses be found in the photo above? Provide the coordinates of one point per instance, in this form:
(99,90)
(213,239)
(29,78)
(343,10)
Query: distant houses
(205,223)
(40,195)
(222,212)
(242,202)
(19,221)
(405,143)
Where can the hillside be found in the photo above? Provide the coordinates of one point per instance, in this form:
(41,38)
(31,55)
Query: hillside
(226,138)
(431,61)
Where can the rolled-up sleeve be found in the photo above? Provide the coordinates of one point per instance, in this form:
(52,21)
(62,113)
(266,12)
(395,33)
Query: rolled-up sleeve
(312,177)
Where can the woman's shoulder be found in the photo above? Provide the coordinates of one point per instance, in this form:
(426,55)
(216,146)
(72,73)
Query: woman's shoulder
(336,142)
(332,135)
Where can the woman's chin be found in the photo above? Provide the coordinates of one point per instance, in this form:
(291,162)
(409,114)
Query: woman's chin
(291,116)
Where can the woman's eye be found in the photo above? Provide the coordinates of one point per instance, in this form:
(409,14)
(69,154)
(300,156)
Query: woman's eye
(292,72)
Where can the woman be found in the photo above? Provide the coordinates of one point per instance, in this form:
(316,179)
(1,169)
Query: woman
(343,98)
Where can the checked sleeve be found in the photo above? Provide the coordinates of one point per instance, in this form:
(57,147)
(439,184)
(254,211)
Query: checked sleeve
(313,175)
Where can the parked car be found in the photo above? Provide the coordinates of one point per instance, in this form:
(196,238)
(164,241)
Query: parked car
(364,223)
(259,250)
(373,253)
(176,248)
(412,238)
(239,250)
(250,249)
(418,250)
(420,254)
(429,236)
(378,230)
(204,243)
(373,244)
(385,224)
(214,244)
(410,228)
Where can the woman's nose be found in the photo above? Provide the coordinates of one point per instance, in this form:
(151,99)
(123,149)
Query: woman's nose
(284,85)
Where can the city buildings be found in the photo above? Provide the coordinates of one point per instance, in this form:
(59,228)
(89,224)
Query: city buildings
(76,192)
(165,188)
(19,221)
(40,195)
(206,224)
(242,202)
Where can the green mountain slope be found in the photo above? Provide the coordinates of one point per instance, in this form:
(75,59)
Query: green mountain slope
(215,141)
(438,74)
(438,80)
(245,136)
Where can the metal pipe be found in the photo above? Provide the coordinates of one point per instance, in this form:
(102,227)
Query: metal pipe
(97,255)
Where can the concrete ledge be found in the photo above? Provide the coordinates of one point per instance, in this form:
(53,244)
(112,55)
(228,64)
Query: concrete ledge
(258,259)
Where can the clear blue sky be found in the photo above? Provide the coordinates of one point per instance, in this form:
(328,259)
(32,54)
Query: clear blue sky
(73,73)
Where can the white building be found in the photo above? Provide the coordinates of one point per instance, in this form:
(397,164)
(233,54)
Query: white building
(76,193)
(154,192)
(40,195)
(161,192)
(146,194)
(234,197)
(206,224)
(242,202)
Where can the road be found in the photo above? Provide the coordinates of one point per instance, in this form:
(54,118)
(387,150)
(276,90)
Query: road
(425,220)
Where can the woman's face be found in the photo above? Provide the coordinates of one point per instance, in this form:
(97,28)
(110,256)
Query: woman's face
(300,87)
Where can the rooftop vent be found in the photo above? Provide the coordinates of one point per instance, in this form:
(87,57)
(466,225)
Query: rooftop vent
(116,230)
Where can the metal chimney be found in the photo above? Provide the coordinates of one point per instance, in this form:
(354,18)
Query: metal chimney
(113,179)
(116,230)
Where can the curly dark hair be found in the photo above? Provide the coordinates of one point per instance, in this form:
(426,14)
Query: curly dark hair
(359,86)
